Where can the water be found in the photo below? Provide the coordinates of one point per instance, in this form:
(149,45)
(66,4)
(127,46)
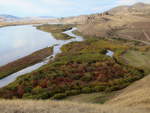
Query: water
(57,49)
(110,53)
(20,41)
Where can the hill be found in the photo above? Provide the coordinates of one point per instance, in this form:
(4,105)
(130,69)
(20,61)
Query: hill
(136,9)
(5,17)
(128,22)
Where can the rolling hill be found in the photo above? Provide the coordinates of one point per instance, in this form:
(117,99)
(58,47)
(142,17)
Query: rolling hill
(129,22)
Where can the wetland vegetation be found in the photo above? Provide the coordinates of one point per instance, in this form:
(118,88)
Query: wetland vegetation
(81,68)
(25,62)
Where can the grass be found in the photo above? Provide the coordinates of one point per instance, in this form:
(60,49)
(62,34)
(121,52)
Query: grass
(98,98)
(56,30)
(40,106)
(137,94)
(139,59)
(25,62)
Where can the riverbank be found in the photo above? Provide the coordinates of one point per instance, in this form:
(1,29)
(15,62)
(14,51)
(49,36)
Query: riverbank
(24,62)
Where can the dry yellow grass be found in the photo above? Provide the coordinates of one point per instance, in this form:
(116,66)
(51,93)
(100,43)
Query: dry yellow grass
(26,106)
(138,94)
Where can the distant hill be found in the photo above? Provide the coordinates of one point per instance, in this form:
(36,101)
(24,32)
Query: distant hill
(140,8)
(8,16)
(4,17)
(130,22)
(47,17)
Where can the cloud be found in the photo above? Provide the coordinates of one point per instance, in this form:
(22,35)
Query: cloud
(59,7)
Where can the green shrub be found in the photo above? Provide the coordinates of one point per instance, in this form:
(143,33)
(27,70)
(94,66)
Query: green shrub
(27,96)
(72,92)
(87,90)
(103,51)
(99,88)
(37,90)
(59,96)
(87,77)
(44,95)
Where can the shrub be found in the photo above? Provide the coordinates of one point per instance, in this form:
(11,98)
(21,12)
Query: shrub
(27,96)
(72,92)
(37,90)
(99,88)
(103,51)
(44,95)
(59,96)
(87,77)
(87,90)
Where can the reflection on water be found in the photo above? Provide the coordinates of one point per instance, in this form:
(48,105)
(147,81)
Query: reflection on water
(19,41)
(57,49)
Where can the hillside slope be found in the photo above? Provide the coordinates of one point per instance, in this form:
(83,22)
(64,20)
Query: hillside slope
(129,22)
(138,94)
(26,106)
(134,99)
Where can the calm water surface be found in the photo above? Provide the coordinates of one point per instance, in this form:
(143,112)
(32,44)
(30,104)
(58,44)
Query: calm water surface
(20,41)
(57,49)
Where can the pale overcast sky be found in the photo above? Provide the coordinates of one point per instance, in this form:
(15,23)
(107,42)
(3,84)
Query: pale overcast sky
(59,8)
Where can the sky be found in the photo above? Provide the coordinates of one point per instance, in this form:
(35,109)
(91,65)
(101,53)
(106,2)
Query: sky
(59,8)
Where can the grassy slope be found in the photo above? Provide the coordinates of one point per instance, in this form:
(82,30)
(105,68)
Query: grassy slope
(138,58)
(25,62)
(138,94)
(32,106)
(98,98)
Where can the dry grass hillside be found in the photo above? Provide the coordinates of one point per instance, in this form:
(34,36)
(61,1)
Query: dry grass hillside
(138,94)
(19,106)
(134,99)
(130,22)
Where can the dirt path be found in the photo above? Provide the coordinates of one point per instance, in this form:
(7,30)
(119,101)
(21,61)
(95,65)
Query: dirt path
(131,38)
(146,35)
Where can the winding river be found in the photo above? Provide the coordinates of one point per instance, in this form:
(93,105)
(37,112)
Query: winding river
(31,40)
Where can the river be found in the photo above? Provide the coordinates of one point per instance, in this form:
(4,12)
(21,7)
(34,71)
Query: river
(36,40)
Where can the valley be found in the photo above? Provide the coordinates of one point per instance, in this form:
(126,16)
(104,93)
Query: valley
(96,63)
